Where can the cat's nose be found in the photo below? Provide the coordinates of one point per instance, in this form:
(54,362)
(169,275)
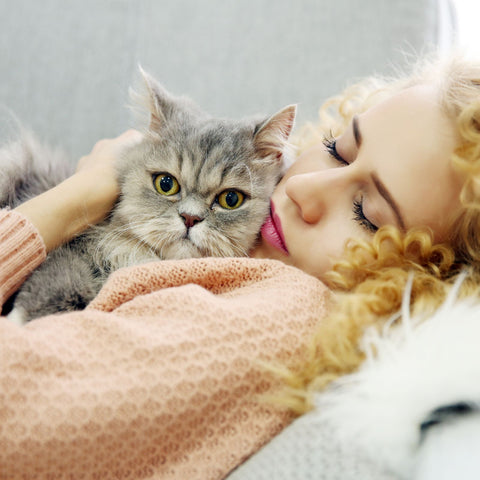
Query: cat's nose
(190,220)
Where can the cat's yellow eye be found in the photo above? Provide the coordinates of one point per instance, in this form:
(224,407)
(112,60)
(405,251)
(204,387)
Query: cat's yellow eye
(231,199)
(166,184)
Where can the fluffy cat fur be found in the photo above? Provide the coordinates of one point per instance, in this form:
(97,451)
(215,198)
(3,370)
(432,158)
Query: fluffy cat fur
(215,163)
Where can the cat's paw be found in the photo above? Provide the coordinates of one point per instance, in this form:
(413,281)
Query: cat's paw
(18,316)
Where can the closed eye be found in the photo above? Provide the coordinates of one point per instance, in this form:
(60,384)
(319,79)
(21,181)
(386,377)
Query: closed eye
(361,219)
(331,146)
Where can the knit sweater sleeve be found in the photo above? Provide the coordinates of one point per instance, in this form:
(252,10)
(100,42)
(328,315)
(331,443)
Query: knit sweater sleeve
(21,251)
(162,376)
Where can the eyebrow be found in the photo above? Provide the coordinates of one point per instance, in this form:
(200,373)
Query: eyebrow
(356,131)
(382,190)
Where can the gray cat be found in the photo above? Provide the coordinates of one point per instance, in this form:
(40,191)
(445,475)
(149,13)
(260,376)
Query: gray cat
(196,186)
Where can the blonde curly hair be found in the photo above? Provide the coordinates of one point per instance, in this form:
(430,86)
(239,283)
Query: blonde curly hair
(370,278)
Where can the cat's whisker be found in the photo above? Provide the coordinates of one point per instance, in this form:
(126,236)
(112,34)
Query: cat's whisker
(167,241)
(145,243)
(244,167)
(234,250)
(111,249)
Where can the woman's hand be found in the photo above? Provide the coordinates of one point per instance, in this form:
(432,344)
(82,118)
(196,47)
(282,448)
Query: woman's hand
(96,178)
(83,199)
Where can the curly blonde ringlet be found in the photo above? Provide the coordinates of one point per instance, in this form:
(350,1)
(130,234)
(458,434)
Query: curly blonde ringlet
(370,279)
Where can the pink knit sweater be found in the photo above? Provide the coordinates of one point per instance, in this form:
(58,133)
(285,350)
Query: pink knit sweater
(159,378)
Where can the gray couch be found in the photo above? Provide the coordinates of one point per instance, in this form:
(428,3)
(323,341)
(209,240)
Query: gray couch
(66,65)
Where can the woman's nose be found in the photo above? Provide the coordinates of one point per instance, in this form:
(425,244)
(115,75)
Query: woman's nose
(315,192)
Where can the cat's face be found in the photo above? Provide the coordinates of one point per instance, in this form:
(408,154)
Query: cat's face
(200,187)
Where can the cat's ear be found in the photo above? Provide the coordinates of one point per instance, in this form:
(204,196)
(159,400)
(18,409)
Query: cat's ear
(160,103)
(271,136)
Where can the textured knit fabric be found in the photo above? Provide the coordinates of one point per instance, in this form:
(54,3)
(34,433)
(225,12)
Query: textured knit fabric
(159,377)
(21,251)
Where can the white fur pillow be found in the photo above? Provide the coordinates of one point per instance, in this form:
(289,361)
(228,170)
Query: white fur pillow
(419,367)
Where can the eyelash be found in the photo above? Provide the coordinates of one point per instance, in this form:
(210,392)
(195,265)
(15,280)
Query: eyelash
(360,217)
(331,145)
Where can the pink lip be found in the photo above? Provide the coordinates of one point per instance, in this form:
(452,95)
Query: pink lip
(272,231)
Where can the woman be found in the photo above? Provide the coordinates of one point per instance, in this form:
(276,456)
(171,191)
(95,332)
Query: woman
(157,382)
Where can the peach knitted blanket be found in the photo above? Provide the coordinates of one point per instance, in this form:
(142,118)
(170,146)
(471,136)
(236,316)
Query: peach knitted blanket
(159,377)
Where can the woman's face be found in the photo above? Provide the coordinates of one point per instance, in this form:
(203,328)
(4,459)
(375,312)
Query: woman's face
(390,167)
